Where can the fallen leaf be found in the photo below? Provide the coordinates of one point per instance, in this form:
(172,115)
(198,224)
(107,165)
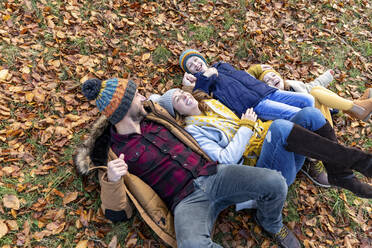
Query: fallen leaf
(145,56)
(3,229)
(12,224)
(11,201)
(4,74)
(69,197)
(82,244)
(113,243)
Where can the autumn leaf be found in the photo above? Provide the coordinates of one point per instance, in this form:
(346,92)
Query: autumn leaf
(11,201)
(4,74)
(145,56)
(114,242)
(82,244)
(70,197)
(3,229)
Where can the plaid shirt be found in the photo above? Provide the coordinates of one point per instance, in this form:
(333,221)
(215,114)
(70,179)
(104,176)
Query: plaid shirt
(162,161)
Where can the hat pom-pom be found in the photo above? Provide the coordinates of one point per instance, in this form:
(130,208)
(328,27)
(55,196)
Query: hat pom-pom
(91,88)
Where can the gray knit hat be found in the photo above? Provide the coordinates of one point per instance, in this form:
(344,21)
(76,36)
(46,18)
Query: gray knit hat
(165,100)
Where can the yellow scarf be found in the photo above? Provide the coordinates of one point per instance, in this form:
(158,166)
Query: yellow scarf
(225,120)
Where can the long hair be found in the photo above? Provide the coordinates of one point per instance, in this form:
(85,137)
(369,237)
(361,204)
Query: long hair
(200,96)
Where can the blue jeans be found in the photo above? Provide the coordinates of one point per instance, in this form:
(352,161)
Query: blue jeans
(275,156)
(195,215)
(282,105)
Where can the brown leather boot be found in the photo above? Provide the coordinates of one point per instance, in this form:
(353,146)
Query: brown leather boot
(362,108)
(367,94)
(338,159)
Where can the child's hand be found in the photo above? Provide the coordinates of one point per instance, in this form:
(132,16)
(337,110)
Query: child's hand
(266,67)
(210,71)
(188,79)
(249,115)
(116,169)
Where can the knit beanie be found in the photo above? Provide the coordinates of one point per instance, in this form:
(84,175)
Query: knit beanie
(165,101)
(113,96)
(188,54)
(267,71)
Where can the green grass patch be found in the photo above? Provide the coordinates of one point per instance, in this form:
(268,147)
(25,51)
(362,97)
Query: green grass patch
(201,33)
(161,55)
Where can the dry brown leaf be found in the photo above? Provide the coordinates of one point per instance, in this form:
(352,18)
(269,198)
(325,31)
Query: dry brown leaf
(3,229)
(69,197)
(4,74)
(82,244)
(12,224)
(114,242)
(146,56)
(11,201)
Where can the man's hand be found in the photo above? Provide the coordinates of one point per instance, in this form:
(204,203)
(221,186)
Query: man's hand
(266,67)
(116,169)
(249,115)
(188,79)
(210,71)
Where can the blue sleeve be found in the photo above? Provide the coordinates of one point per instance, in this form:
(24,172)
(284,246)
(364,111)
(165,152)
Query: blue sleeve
(204,83)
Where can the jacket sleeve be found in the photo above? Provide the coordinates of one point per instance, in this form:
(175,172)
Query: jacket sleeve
(215,143)
(255,70)
(115,202)
(298,86)
(204,83)
(323,80)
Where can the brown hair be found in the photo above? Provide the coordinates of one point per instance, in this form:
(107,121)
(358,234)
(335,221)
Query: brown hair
(200,96)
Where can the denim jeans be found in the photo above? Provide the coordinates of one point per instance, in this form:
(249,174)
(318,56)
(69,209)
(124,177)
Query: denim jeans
(282,105)
(195,215)
(275,156)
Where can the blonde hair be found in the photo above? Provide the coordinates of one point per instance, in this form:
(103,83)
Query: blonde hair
(200,96)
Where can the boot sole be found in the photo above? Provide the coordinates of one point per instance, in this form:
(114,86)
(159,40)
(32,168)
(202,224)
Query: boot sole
(315,181)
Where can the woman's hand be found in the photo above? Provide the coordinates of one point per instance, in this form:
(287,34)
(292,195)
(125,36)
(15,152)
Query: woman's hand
(116,169)
(188,79)
(210,71)
(249,115)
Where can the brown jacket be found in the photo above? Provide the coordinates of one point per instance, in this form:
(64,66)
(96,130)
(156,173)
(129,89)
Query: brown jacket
(114,195)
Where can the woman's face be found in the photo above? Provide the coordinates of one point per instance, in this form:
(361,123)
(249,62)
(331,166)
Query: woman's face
(184,103)
(196,64)
(272,79)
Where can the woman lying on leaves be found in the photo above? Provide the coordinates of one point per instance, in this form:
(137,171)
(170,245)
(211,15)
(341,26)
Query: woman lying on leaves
(280,145)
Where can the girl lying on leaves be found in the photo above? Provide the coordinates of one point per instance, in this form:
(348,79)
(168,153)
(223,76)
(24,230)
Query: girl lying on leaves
(233,87)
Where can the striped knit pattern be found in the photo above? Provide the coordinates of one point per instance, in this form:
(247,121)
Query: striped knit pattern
(188,54)
(115,98)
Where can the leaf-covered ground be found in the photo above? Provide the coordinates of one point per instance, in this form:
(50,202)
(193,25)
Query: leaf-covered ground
(48,47)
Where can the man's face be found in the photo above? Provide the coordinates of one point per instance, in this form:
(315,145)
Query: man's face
(272,79)
(196,64)
(184,103)
(136,111)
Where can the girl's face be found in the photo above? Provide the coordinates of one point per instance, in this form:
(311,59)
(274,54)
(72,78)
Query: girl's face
(184,103)
(272,79)
(196,64)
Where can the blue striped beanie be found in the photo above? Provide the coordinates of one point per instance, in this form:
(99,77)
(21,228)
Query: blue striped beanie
(113,96)
(185,55)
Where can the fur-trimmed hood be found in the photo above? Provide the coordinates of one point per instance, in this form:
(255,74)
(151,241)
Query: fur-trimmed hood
(93,152)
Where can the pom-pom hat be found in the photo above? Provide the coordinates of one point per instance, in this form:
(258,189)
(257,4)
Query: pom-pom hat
(113,96)
(188,54)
